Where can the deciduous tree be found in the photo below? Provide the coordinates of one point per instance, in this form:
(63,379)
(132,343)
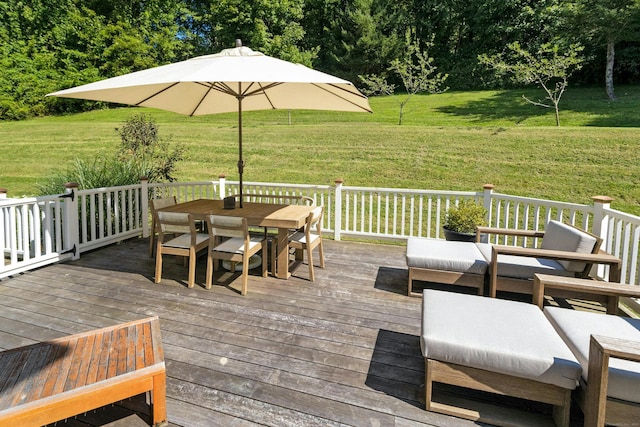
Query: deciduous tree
(417,72)
(548,67)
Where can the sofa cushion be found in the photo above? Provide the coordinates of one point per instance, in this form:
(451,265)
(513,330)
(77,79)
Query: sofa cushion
(563,237)
(445,255)
(496,335)
(520,267)
(576,328)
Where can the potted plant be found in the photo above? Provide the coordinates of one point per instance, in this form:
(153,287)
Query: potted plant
(461,221)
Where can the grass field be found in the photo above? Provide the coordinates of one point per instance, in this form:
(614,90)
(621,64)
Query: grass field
(449,141)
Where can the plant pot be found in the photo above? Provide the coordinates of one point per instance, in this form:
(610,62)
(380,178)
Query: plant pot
(457,236)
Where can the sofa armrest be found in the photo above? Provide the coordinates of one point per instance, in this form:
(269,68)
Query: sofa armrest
(507,232)
(601,257)
(601,349)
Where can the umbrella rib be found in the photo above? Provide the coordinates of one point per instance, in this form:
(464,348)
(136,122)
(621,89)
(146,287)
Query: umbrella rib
(156,94)
(201,101)
(263,90)
(342,97)
(221,87)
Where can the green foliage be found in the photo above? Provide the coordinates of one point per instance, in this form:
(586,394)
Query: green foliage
(141,153)
(548,68)
(417,72)
(465,216)
(141,145)
(98,173)
(47,46)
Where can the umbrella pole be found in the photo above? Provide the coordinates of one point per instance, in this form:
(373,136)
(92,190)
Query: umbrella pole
(240,161)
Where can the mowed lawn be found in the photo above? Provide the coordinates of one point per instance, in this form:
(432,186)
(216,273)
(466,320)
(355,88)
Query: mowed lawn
(449,141)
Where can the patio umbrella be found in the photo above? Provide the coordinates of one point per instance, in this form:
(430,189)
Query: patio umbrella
(237,79)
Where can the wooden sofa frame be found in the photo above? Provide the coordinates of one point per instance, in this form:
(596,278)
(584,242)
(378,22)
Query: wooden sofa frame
(492,382)
(50,381)
(592,396)
(497,282)
(471,280)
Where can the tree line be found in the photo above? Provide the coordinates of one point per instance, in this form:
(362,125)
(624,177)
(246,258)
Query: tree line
(48,45)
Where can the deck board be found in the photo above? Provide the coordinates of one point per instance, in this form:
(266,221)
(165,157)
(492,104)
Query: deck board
(343,350)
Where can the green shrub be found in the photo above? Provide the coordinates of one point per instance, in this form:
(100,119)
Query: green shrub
(98,173)
(465,217)
(141,144)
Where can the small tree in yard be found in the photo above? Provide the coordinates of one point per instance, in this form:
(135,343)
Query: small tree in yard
(140,143)
(548,68)
(417,72)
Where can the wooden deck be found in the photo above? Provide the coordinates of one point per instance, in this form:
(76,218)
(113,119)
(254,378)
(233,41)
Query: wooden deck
(343,350)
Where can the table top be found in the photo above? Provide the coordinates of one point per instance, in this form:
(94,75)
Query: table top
(257,214)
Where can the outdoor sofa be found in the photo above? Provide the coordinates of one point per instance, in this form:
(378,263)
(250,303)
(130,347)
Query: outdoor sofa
(515,349)
(564,250)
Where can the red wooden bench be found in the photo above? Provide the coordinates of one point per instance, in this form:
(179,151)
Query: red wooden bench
(50,381)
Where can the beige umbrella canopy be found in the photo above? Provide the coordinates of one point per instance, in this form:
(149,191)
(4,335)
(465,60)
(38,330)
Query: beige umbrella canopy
(237,79)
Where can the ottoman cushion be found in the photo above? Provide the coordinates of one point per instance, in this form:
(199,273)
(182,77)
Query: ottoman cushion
(576,328)
(507,337)
(445,255)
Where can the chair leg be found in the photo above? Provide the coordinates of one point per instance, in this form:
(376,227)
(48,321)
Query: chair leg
(321,254)
(245,274)
(158,267)
(152,237)
(274,255)
(209,277)
(264,260)
(192,268)
(152,243)
(310,261)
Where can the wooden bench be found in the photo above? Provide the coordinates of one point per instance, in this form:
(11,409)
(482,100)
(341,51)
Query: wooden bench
(50,381)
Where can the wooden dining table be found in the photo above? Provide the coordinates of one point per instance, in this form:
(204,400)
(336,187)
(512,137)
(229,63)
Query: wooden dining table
(281,216)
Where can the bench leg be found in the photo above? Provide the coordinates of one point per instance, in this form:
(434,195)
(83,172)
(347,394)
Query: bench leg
(159,400)
(428,385)
(561,413)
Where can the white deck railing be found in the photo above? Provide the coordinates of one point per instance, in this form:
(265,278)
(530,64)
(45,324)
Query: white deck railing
(41,230)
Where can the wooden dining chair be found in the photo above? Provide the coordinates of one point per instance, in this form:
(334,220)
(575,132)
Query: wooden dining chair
(309,238)
(156,204)
(229,240)
(186,241)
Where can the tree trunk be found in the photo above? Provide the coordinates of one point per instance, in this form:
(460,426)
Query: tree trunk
(609,71)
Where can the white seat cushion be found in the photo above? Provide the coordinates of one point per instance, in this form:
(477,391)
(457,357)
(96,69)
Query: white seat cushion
(184,240)
(576,328)
(508,337)
(445,255)
(236,245)
(521,267)
(300,237)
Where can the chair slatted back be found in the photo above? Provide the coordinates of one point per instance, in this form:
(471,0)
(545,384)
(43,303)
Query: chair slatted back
(174,222)
(224,226)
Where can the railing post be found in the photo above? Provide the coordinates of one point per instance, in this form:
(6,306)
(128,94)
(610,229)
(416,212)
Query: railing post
(600,217)
(487,201)
(144,200)
(222,178)
(3,193)
(601,224)
(337,219)
(71,228)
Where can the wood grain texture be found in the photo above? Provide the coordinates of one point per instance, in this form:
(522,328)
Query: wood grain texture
(343,350)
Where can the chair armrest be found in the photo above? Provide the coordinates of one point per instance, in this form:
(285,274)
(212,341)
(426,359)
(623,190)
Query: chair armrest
(601,349)
(507,232)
